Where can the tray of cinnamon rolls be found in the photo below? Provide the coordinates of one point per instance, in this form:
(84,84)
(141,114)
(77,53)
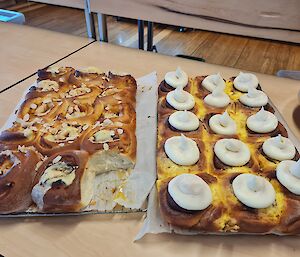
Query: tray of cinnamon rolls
(226,163)
(71,129)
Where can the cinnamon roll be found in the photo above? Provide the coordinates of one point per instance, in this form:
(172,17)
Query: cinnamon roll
(63,183)
(17,174)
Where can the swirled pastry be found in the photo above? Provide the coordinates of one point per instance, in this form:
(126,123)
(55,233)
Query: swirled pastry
(80,123)
(235,172)
(17,174)
(63,183)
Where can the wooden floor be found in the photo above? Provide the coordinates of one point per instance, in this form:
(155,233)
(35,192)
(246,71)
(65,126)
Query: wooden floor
(252,54)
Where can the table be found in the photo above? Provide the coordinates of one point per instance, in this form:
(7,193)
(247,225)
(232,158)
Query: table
(112,235)
(42,48)
(272,19)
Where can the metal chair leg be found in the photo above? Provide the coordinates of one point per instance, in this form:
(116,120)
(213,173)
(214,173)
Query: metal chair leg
(141,34)
(89,20)
(102,27)
(150,36)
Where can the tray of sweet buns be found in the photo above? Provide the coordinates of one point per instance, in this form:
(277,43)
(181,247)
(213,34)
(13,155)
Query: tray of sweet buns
(71,144)
(225,162)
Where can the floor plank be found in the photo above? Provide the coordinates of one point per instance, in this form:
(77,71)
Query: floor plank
(265,56)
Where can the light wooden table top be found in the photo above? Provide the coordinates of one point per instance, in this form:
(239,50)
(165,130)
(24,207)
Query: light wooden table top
(24,49)
(112,235)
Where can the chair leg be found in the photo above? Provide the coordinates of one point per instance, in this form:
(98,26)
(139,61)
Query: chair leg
(102,27)
(89,20)
(150,36)
(141,34)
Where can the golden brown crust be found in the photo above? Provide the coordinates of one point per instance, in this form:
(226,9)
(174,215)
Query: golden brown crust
(62,113)
(198,220)
(17,181)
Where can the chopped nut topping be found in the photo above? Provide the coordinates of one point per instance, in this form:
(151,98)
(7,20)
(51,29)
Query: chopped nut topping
(70,109)
(105,147)
(85,127)
(47,100)
(107,122)
(33,106)
(56,159)
(118,124)
(27,132)
(26,117)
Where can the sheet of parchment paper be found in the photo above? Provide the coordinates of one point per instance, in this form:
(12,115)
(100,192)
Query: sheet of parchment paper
(154,222)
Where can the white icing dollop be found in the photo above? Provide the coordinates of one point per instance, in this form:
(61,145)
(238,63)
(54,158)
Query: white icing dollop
(184,121)
(232,152)
(254,191)
(180,99)
(244,81)
(218,98)
(279,148)
(288,174)
(177,78)
(213,81)
(190,192)
(262,121)
(223,124)
(182,150)
(254,98)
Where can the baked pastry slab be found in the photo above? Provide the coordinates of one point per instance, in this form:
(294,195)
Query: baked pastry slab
(72,126)
(225,214)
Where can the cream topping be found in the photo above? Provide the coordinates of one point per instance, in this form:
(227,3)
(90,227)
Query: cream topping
(262,122)
(288,174)
(279,148)
(91,70)
(65,133)
(244,81)
(59,171)
(254,98)
(182,150)
(223,124)
(254,191)
(218,98)
(7,164)
(177,78)
(53,69)
(48,85)
(190,192)
(211,82)
(184,121)
(103,136)
(232,152)
(180,99)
